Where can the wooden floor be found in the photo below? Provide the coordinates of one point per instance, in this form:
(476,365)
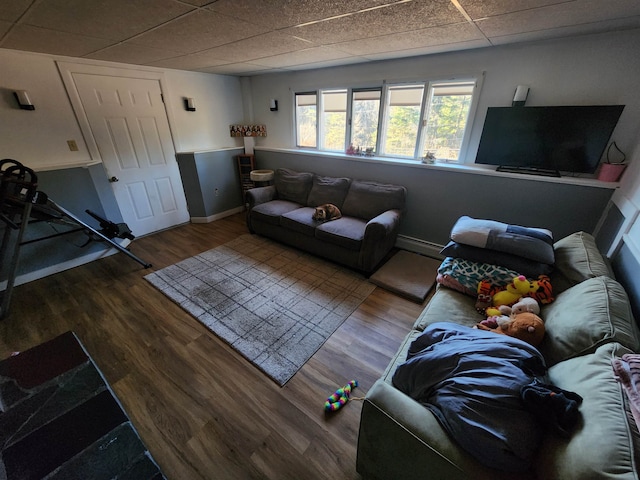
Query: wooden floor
(203,411)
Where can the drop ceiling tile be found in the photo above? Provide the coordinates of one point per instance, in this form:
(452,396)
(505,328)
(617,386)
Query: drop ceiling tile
(128,53)
(430,50)
(278,14)
(243,69)
(401,17)
(113,19)
(198,31)
(329,63)
(4,28)
(11,10)
(572,30)
(265,45)
(487,8)
(301,57)
(560,15)
(195,61)
(447,34)
(42,40)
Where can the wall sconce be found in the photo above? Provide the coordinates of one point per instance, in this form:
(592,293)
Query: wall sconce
(273,105)
(520,97)
(22,97)
(189,104)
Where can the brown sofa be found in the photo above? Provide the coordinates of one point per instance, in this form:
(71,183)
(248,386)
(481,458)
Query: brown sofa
(371,214)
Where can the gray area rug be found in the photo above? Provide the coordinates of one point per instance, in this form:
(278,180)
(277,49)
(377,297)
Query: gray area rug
(408,274)
(273,304)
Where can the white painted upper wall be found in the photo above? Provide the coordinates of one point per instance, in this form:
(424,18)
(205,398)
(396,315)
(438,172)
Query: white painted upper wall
(38,138)
(594,69)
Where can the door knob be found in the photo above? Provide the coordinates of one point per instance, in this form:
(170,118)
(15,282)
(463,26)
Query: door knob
(114,179)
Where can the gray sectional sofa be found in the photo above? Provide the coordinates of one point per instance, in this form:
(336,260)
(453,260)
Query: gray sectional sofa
(371,214)
(589,324)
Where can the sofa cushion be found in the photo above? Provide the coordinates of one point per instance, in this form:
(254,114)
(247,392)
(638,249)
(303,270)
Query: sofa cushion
(577,259)
(293,186)
(586,316)
(328,190)
(271,212)
(526,267)
(602,446)
(300,220)
(346,232)
(369,199)
(533,243)
(447,305)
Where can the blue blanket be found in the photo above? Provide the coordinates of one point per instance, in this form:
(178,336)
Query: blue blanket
(472,381)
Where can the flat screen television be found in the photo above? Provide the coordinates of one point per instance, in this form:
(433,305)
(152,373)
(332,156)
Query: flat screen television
(547,140)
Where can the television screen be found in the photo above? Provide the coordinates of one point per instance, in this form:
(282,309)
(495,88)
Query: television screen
(553,139)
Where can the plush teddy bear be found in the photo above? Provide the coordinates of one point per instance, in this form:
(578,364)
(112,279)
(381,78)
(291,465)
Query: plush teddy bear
(524,304)
(525,326)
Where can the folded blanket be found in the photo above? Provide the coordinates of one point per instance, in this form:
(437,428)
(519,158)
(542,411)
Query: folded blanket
(468,274)
(532,243)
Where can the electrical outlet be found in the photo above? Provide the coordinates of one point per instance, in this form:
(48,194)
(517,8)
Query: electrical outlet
(73,146)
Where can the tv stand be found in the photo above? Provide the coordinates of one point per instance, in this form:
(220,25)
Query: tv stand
(529,171)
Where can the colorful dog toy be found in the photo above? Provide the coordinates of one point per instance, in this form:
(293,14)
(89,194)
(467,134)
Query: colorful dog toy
(340,397)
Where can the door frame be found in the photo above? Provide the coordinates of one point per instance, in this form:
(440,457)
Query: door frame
(67,69)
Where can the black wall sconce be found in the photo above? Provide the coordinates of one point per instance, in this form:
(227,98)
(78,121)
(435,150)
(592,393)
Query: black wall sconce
(273,105)
(189,104)
(22,97)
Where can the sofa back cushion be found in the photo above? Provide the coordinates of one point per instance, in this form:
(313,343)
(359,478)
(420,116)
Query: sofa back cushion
(577,259)
(293,186)
(587,315)
(328,190)
(367,200)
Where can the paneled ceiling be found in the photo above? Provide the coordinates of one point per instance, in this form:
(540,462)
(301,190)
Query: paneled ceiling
(249,37)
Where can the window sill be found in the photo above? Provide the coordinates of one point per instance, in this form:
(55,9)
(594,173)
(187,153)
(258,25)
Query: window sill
(449,167)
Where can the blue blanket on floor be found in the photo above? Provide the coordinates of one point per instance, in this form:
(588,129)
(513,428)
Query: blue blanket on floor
(472,381)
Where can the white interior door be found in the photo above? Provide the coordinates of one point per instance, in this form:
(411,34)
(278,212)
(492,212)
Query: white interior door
(130,127)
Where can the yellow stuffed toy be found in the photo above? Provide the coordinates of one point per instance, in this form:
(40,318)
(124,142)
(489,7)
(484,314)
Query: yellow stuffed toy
(491,297)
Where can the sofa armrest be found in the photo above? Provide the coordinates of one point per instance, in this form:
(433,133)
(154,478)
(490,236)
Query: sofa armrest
(379,237)
(401,438)
(256,196)
(384,224)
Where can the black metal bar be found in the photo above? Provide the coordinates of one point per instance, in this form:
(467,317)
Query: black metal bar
(103,237)
(53,235)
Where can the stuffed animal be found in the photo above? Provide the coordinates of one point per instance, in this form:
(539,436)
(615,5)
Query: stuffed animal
(524,304)
(525,326)
(490,296)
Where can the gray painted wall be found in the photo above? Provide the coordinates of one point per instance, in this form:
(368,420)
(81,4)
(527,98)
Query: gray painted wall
(437,198)
(211,181)
(74,189)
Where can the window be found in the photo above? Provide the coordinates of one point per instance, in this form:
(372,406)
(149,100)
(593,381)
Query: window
(365,114)
(334,120)
(306,119)
(446,119)
(401,120)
